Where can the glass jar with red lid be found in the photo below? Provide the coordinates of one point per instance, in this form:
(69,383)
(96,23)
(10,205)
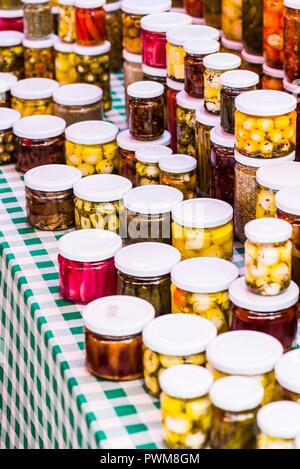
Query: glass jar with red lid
(291,39)
(11,20)
(294,89)
(90,22)
(222,165)
(273,33)
(272,78)
(173,88)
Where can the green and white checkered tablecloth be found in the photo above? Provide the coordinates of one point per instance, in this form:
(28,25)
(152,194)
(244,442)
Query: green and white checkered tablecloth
(48,399)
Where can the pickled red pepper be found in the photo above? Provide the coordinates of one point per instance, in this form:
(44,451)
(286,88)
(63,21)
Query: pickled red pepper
(90,25)
(273,33)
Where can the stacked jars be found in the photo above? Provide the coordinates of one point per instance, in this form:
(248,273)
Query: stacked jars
(186,123)
(38,22)
(66,21)
(291,36)
(11,53)
(90,22)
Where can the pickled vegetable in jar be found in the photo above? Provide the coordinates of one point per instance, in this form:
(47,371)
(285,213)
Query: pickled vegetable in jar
(254,63)
(99,201)
(66,21)
(212,13)
(288,377)
(11,20)
(173,88)
(278,424)
(86,265)
(39,58)
(272,79)
(232,19)
(215,65)
(232,47)
(265,124)
(179,171)
(90,22)
(186,123)
(7,80)
(276,316)
(245,353)
(33,96)
(146,110)
(132,72)
(158,75)
(204,123)
(38,22)
(222,165)
(147,165)
(113,19)
(203,228)
(185,405)
(148,214)
(10,4)
(11,53)
(291,38)
(193,65)
(177,4)
(64,61)
(200,287)
(194,8)
(144,272)
(273,33)
(253,26)
(49,196)
(294,89)
(7,147)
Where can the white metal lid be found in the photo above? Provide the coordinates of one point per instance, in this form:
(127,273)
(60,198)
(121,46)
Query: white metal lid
(241,296)
(152,153)
(135,58)
(186,381)
(145,89)
(61,46)
(280,175)
(89,245)
(239,79)
(202,47)
(52,178)
(175,85)
(204,275)
(91,132)
(265,103)
(102,188)
(8,117)
(89,3)
(92,50)
(292,87)
(118,316)
(280,419)
(152,199)
(287,371)
(259,162)
(222,61)
(10,38)
(251,58)
(154,72)
(147,259)
(177,164)
(273,72)
(39,127)
(233,45)
(77,94)
(7,80)
(222,138)
(127,142)
(236,393)
(202,213)
(288,200)
(146,7)
(163,22)
(40,43)
(246,353)
(108,7)
(180,35)
(187,102)
(206,118)
(11,13)
(34,88)
(292,4)
(179,334)
(268,230)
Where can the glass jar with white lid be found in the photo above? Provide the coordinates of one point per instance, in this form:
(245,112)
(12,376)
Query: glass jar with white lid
(7,146)
(38,22)
(147,166)
(7,80)
(33,96)
(288,377)
(278,424)
(144,271)
(39,57)
(186,123)
(235,400)
(245,353)
(186,407)
(64,60)
(174,339)
(11,53)
(200,287)
(179,171)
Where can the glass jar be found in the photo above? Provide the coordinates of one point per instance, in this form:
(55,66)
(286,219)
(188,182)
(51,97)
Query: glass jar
(39,140)
(294,89)
(233,84)
(173,89)
(93,67)
(90,22)
(146,110)
(265,124)
(133,72)
(236,400)
(64,61)
(278,424)
(37,19)
(186,123)
(252,23)
(276,316)
(215,65)
(148,214)
(176,40)
(204,123)
(288,376)
(159,75)
(254,63)
(113,337)
(11,20)
(7,80)
(33,96)
(113,19)
(39,58)
(179,171)
(11,53)
(291,39)
(200,287)
(232,19)
(231,47)
(185,406)
(273,33)
(147,165)
(203,228)
(194,8)
(222,165)
(272,79)
(99,201)
(213,13)
(49,196)
(142,273)
(10,4)
(7,118)
(193,65)
(78,102)
(66,21)
(245,353)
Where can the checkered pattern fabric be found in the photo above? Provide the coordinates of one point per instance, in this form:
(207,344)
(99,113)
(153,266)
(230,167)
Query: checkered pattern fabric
(47,398)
